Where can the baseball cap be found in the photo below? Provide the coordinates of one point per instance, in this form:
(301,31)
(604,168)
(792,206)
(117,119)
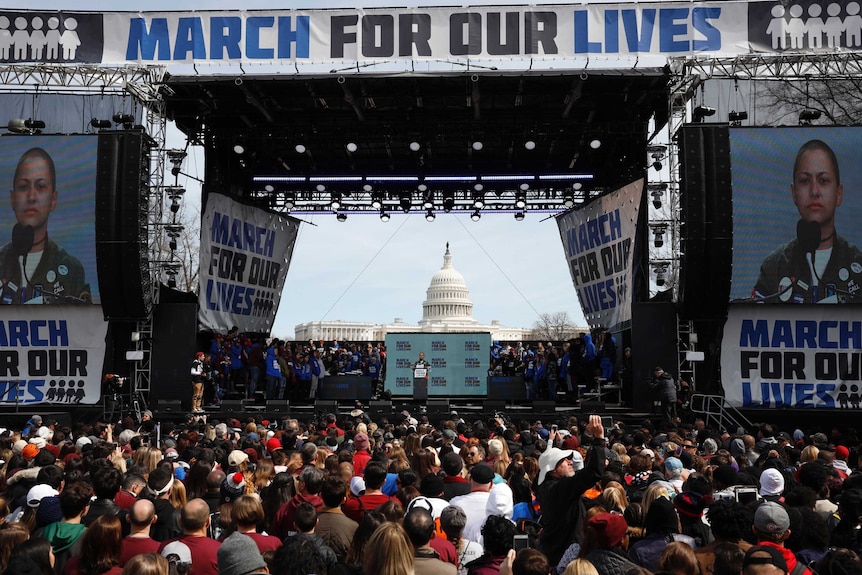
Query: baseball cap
(771,517)
(180,550)
(236,457)
(452,463)
(449,434)
(38,492)
(549,459)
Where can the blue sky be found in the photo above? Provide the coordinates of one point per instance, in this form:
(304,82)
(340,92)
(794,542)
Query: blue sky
(367,270)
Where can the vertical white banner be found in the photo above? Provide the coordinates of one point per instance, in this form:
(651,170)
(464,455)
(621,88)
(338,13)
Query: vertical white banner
(599,240)
(244,258)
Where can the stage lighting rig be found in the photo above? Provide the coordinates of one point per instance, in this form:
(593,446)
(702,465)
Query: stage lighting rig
(125,120)
(22,126)
(807,116)
(701,112)
(176,157)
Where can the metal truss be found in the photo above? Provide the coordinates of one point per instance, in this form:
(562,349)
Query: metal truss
(28,77)
(796,66)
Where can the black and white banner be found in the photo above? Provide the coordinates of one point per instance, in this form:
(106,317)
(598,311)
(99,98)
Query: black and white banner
(801,357)
(598,240)
(245,255)
(51,354)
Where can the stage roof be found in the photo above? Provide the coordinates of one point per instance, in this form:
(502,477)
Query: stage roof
(564,115)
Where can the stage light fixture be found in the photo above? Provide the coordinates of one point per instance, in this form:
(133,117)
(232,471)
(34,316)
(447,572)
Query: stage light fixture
(238,149)
(352,147)
(701,112)
(415,146)
(660,270)
(22,126)
(422,188)
(735,118)
(521,200)
(429,216)
(519,216)
(100,124)
(405,202)
(524,186)
(448,203)
(656,191)
(428,201)
(125,120)
(476,216)
(289,201)
(269,188)
(530,145)
(569,200)
(807,116)
(376,200)
(477,145)
(658,231)
(341,217)
(300,149)
(335,201)
(478,200)
(384,217)
(595,144)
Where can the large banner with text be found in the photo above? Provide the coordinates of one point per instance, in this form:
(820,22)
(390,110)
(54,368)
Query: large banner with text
(577,35)
(459,362)
(598,240)
(245,255)
(802,357)
(51,354)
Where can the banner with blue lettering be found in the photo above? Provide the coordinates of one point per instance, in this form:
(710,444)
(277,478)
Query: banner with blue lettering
(575,36)
(459,362)
(51,354)
(802,357)
(598,240)
(245,255)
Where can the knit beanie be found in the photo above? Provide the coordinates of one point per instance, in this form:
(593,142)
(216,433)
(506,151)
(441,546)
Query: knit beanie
(771,482)
(691,503)
(239,555)
(661,517)
(233,487)
(609,529)
(49,511)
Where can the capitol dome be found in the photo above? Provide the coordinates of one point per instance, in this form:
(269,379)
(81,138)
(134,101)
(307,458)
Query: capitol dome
(447,299)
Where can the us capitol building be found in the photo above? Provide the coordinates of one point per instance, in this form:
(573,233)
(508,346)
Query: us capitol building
(447,309)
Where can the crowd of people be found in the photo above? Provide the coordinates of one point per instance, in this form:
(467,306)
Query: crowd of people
(404,495)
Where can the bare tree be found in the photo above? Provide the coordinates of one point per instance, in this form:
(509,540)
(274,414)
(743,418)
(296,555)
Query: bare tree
(553,327)
(837,100)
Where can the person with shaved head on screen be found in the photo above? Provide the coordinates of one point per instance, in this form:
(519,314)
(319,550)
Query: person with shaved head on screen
(33,268)
(818,266)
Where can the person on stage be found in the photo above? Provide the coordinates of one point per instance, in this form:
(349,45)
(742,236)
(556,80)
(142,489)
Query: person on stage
(422,364)
(818,266)
(198,376)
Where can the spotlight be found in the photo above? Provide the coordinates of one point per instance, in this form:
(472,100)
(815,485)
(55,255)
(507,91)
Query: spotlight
(415,146)
(448,203)
(658,235)
(530,145)
(368,188)
(126,120)
(428,203)
(289,201)
(569,200)
(384,217)
(476,216)
(595,144)
(701,112)
(807,116)
(100,124)
(524,186)
(477,145)
(478,200)
(519,216)
(300,149)
(660,270)
(269,188)
(341,217)
(376,200)
(175,206)
(736,118)
(520,200)
(335,202)
(238,149)
(405,203)
(422,188)
(478,187)
(656,191)
(29,126)
(352,147)
(657,165)
(429,216)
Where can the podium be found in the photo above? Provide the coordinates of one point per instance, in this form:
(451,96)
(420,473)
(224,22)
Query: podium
(420,384)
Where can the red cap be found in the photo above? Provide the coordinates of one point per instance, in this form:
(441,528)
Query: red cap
(272,444)
(842,452)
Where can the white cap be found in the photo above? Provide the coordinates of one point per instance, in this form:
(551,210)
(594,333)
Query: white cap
(38,492)
(549,459)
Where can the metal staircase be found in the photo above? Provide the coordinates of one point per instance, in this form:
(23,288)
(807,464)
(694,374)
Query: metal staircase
(717,412)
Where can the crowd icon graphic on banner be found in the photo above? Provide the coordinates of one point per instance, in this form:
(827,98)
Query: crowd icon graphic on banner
(38,44)
(793,32)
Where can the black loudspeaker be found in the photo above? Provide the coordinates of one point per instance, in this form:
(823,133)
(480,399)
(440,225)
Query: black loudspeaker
(593,406)
(169,405)
(278,405)
(232,405)
(707,222)
(493,405)
(648,320)
(125,284)
(173,347)
(438,405)
(380,404)
(544,405)
(326,406)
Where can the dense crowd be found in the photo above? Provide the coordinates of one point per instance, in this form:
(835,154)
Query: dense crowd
(402,495)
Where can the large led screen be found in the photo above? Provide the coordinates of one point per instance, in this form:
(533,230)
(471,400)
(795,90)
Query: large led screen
(795,230)
(47,220)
